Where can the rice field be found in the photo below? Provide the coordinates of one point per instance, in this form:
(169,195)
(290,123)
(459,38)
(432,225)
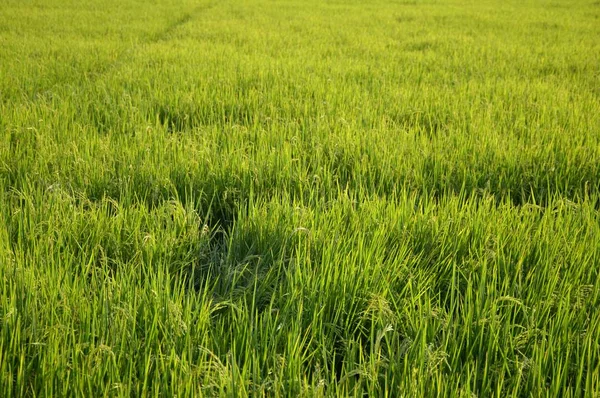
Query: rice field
(287,198)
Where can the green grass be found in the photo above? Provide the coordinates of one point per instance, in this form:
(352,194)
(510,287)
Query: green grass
(300,198)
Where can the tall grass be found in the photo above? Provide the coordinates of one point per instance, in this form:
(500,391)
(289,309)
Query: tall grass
(293,198)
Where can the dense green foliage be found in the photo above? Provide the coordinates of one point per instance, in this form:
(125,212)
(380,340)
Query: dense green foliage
(314,198)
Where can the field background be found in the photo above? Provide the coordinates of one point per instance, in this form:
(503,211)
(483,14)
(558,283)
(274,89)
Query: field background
(314,198)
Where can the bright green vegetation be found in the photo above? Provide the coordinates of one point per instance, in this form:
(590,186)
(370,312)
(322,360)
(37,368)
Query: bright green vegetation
(300,198)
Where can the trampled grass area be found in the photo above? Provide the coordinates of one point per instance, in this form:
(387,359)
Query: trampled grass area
(300,198)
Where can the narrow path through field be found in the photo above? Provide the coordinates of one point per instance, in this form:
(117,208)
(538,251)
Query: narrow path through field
(182,20)
(103,69)
(160,35)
